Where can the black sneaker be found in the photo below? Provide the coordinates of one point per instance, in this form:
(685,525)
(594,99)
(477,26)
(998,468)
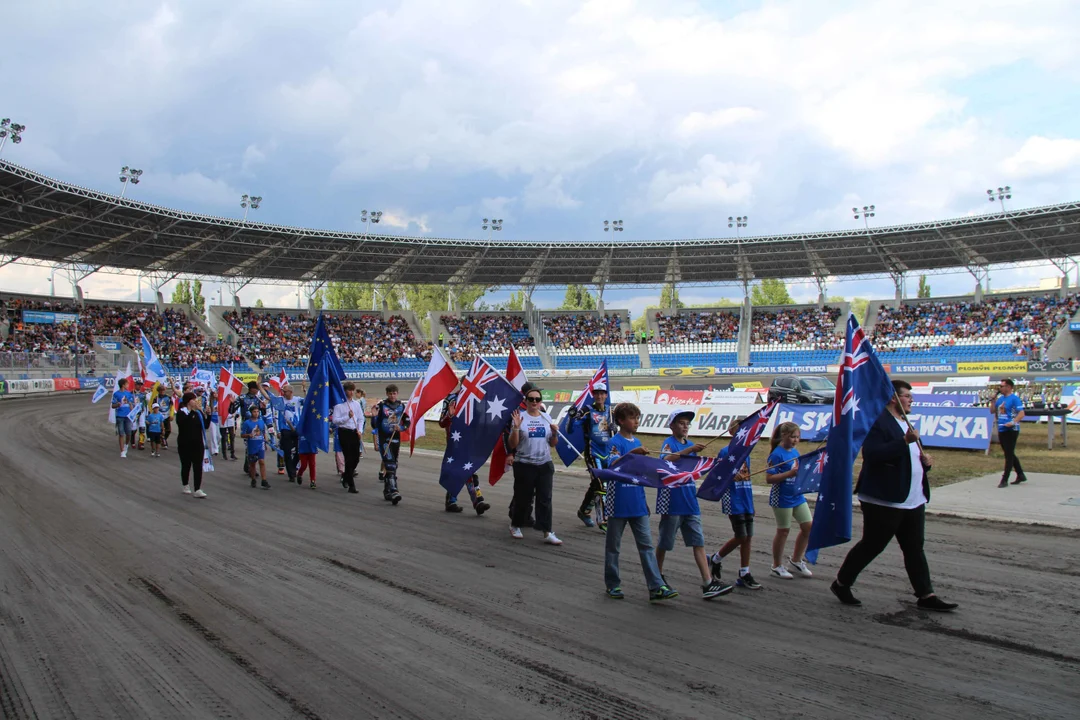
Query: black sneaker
(715,589)
(715,566)
(265,485)
(344,482)
(935,603)
(843,594)
(395,498)
(454,508)
(482,507)
(663,593)
(748,582)
(353,490)
(312,485)
(253,482)
(1004,483)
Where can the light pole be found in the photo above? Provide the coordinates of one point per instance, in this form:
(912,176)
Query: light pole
(250,203)
(128,175)
(1002,194)
(372,216)
(613,225)
(492,226)
(738,223)
(866,213)
(12,130)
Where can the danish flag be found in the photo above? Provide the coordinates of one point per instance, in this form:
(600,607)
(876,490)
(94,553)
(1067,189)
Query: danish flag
(279,382)
(229,388)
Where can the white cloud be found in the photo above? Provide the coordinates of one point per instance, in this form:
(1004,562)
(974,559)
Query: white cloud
(1040,156)
(709,184)
(548,193)
(699,123)
(190,188)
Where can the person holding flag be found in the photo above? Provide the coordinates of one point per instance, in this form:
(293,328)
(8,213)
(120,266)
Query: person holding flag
(786,501)
(737,501)
(532,436)
(287,416)
(122,403)
(389,418)
(893,491)
(472,483)
(191,424)
(347,418)
(585,431)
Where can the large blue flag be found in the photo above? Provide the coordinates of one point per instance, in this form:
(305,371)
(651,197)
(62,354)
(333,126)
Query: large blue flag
(323,394)
(670,472)
(321,345)
(863,389)
(481,413)
(735,455)
(571,431)
(155,371)
(811,468)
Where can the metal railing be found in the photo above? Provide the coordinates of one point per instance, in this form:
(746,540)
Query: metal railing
(12,360)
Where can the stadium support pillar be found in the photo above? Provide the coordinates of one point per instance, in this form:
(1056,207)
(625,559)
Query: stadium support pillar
(674,299)
(978,293)
(600,297)
(745,320)
(898,280)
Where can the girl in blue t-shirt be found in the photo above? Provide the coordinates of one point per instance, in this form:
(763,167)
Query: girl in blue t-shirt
(783,466)
(738,504)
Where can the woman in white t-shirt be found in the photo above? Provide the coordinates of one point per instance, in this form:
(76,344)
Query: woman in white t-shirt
(532,435)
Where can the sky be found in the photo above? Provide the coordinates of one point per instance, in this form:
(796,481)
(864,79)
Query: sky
(554,116)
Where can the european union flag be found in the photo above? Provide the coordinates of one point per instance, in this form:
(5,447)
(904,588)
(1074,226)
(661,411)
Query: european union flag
(323,394)
(863,389)
(322,345)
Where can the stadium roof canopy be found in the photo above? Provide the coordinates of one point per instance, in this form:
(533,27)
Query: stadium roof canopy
(42,219)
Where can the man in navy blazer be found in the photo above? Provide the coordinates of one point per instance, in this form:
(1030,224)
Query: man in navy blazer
(893,491)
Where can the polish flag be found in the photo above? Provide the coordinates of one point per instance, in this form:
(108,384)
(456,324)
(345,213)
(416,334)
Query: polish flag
(497,466)
(279,382)
(438,382)
(229,388)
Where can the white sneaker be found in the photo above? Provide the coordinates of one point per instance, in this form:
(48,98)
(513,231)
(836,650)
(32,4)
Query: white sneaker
(123,453)
(187,489)
(801,568)
(515,532)
(781,571)
(200,494)
(550,539)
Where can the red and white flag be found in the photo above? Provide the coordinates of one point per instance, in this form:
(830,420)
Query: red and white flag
(229,388)
(279,382)
(497,466)
(437,383)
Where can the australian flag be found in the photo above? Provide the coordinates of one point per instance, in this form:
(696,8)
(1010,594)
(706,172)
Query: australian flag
(324,392)
(863,389)
(671,472)
(572,434)
(480,415)
(738,451)
(322,345)
(811,467)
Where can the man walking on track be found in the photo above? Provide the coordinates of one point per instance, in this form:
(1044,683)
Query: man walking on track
(597,425)
(1009,411)
(388,419)
(348,418)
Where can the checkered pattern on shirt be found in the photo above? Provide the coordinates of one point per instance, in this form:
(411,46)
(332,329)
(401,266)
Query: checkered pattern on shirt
(774,495)
(725,502)
(663,501)
(609,499)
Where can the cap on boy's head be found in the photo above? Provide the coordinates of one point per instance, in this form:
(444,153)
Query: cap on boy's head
(253,385)
(679,415)
(138,381)
(157,405)
(599,387)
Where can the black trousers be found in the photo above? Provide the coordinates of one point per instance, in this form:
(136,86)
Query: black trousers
(533,482)
(880,525)
(290,443)
(191,464)
(228,442)
(595,488)
(1008,439)
(349,443)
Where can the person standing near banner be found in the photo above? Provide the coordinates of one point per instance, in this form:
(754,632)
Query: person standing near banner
(347,418)
(122,403)
(597,424)
(245,403)
(1009,411)
(191,424)
(288,414)
(893,490)
(782,469)
(532,436)
(388,419)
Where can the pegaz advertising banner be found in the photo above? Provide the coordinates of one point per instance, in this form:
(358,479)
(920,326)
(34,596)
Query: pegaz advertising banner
(980,368)
(964,428)
(687,372)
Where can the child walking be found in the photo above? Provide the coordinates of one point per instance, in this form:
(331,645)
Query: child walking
(625,505)
(738,505)
(254,431)
(787,504)
(154,421)
(679,510)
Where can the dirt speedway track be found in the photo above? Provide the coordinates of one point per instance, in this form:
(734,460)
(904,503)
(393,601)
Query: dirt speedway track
(122,598)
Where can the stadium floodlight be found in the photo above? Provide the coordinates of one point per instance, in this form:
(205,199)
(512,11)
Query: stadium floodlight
(492,226)
(11,130)
(372,216)
(128,175)
(738,222)
(866,213)
(1002,194)
(613,225)
(250,203)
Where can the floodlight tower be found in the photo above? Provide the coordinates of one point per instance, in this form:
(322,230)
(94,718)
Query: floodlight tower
(613,225)
(867,212)
(10,129)
(492,226)
(738,223)
(128,175)
(1002,194)
(250,203)
(372,216)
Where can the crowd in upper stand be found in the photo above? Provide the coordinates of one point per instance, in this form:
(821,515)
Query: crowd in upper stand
(696,326)
(809,328)
(274,337)
(484,335)
(576,331)
(1029,322)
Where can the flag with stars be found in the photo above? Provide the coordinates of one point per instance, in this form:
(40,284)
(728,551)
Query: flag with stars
(738,451)
(323,394)
(670,472)
(863,389)
(322,345)
(811,467)
(484,405)
(572,434)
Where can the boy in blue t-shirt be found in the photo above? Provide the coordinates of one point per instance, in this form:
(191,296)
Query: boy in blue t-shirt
(254,432)
(678,508)
(122,403)
(625,505)
(782,468)
(1009,410)
(154,421)
(738,505)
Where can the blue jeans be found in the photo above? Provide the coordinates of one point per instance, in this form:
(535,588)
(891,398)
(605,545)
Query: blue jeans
(643,538)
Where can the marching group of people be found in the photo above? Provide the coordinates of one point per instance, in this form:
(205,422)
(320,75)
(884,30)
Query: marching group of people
(892,488)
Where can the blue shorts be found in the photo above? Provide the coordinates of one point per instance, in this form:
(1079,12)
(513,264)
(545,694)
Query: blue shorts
(257,455)
(691,531)
(123,426)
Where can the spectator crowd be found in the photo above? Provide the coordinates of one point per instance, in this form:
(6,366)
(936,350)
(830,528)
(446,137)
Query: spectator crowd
(698,326)
(576,331)
(484,335)
(807,328)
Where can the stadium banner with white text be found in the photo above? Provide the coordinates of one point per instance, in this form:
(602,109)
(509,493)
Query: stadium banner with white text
(956,389)
(944,399)
(687,372)
(30,386)
(60,384)
(975,368)
(963,428)
(679,397)
(641,387)
(109,345)
(1074,326)
(930,368)
(645,372)
(92,383)
(709,421)
(773,370)
(1049,366)
(47,318)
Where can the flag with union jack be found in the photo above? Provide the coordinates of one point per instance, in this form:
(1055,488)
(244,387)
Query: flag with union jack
(863,389)
(811,467)
(671,472)
(572,434)
(484,405)
(720,479)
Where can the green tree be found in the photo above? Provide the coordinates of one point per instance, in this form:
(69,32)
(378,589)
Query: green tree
(770,291)
(578,297)
(515,303)
(259,303)
(197,300)
(924,287)
(181,294)
(318,299)
(666,294)
(858,306)
(420,299)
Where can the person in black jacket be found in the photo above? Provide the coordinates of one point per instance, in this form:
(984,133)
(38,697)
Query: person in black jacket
(191,422)
(893,491)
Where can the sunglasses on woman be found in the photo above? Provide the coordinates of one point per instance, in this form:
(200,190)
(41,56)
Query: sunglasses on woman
(533,399)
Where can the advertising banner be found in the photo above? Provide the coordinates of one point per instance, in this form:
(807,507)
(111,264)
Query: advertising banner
(66,384)
(688,372)
(1074,325)
(47,318)
(773,370)
(91,383)
(1049,366)
(709,421)
(935,368)
(3,387)
(641,387)
(748,385)
(1070,395)
(975,368)
(679,397)
(109,345)
(29,386)
(944,399)
(956,389)
(720,397)
(946,427)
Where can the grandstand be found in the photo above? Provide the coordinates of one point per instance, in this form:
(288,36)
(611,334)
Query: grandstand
(488,335)
(578,340)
